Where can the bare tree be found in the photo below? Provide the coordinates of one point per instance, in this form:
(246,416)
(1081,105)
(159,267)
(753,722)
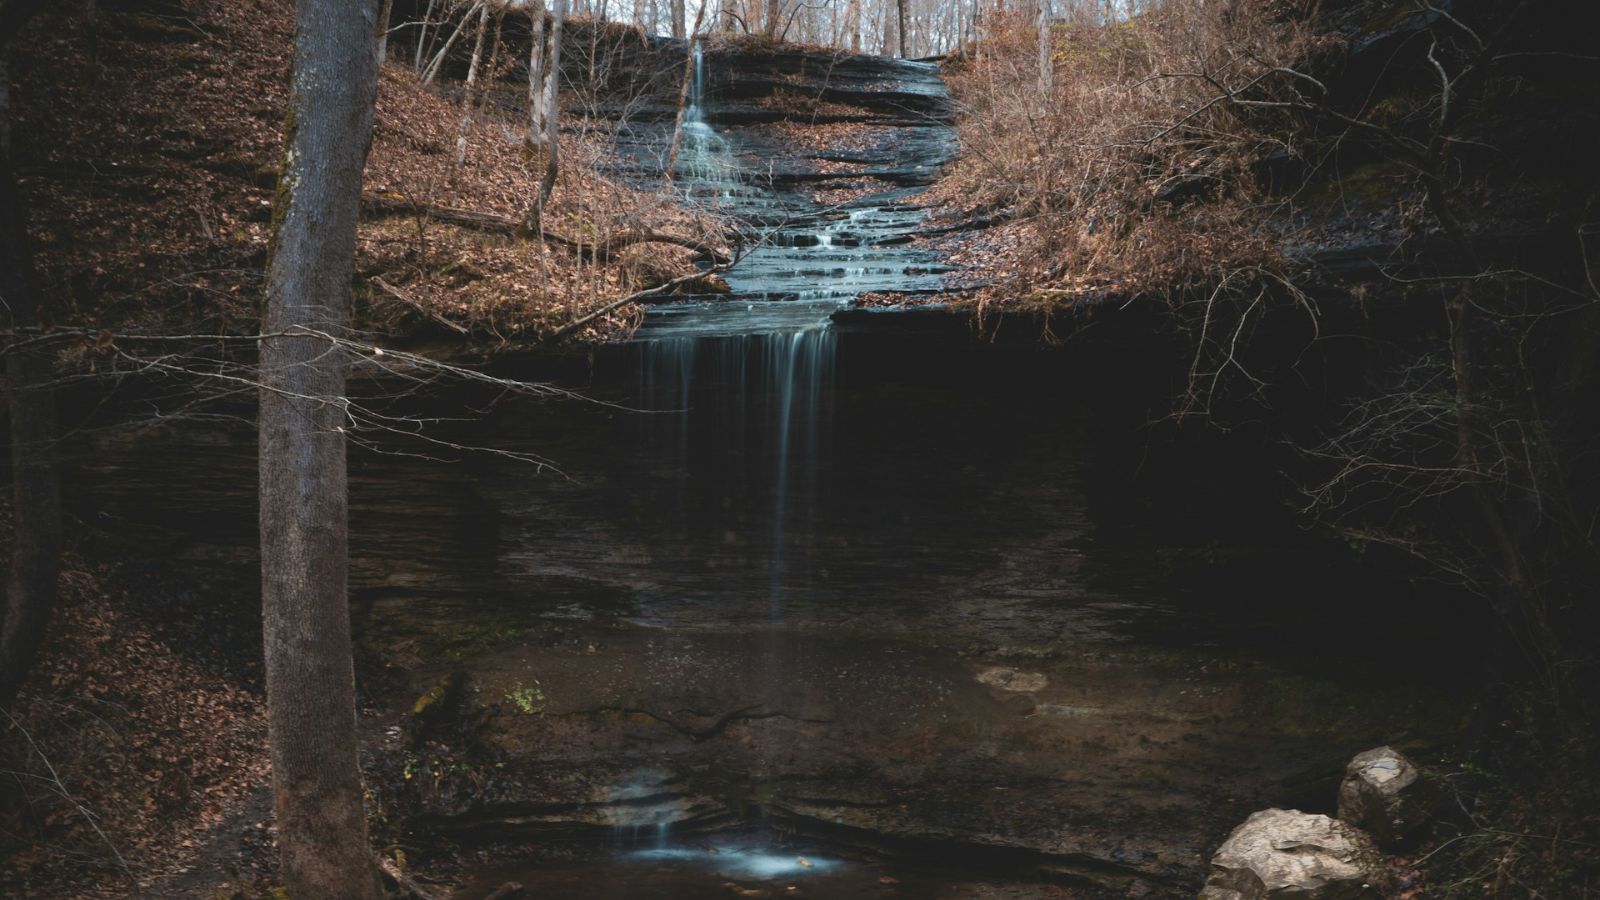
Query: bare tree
(36,505)
(536,75)
(322,828)
(552,149)
(1046,54)
(900,10)
(472,80)
(679,18)
(385,12)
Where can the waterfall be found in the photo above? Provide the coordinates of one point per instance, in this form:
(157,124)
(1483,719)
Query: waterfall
(738,434)
(705,159)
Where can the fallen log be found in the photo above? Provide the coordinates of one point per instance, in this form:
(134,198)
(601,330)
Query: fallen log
(494,223)
(404,884)
(659,289)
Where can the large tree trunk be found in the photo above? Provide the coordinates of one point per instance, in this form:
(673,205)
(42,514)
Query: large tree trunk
(322,828)
(35,498)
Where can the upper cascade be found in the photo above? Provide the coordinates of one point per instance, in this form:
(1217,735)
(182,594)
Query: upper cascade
(829,207)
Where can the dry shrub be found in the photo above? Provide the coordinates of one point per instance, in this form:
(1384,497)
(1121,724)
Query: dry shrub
(1136,171)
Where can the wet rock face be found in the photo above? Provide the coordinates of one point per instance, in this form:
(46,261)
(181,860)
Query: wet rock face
(1288,853)
(1384,794)
(836,87)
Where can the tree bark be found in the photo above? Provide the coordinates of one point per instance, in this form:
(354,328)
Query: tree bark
(466,90)
(36,504)
(900,9)
(552,84)
(438,60)
(679,19)
(1046,54)
(422,36)
(385,13)
(774,17)
(322,828)
(536,76)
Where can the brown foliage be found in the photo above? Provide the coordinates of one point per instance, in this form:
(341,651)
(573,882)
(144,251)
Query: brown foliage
(121,744)
(1134,173)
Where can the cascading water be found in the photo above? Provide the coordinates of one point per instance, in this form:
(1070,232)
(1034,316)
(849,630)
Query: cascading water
(705,163)
(740,385)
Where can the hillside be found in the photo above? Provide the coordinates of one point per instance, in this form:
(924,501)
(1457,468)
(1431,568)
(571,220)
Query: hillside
(150,160)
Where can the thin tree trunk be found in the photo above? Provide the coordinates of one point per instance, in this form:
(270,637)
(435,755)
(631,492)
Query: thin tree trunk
(1046,53)
(900,7)
(683,101)
(385,13)
(438,60)
(679,19)
(466,92)
(773,15)
(322,827)
(35,497)
(422,36)
(491,71)
(552,110)
(536,77)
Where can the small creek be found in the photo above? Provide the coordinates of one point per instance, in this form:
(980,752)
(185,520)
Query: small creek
(911,609)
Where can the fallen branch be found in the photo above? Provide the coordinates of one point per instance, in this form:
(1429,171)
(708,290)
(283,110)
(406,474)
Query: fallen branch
(407,886)
(977,224)
(505,891)
(493,223)
(417,305)
(658,290)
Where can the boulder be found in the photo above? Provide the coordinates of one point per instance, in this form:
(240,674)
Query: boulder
(1385,795)
(1287,853)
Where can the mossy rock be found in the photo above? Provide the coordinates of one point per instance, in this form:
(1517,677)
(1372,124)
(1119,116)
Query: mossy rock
(438,706)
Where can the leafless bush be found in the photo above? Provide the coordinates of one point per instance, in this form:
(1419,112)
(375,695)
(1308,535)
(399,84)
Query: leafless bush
(1131,167)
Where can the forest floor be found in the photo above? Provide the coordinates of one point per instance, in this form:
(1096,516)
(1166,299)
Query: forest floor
(149,142)
(141,729)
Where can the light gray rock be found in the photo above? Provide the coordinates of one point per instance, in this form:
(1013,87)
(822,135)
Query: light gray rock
(1385,795)
(1285,853)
